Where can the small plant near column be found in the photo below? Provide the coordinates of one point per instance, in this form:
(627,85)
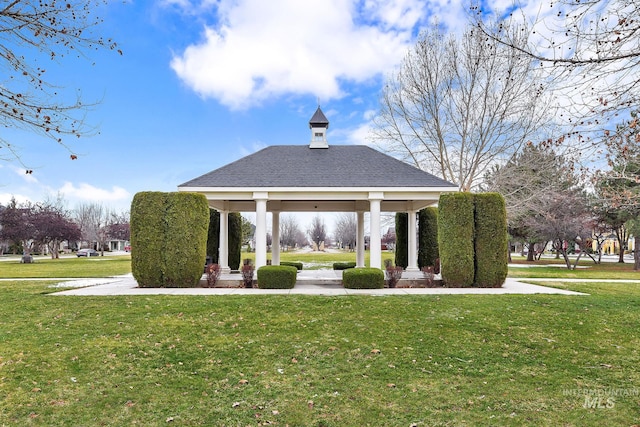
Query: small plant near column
(428,273)
(247,273)
(213,275)
(392,273)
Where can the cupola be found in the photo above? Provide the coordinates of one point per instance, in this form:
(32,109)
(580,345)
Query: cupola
(319,125)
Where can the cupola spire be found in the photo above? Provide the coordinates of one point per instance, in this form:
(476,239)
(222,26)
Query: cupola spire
(319,125)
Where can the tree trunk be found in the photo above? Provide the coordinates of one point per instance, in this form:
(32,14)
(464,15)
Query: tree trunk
(621,235)
(636,253)
(531,253)
(561,250)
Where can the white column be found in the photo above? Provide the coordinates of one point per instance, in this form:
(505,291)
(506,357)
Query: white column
(223,252)
(360,240)
(261,229)
(275,238)
(375,247)
(413,247)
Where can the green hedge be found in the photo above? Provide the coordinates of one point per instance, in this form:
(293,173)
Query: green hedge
(343,265)
(455,239)
(363,278)
(213,236)
(169,231)
(402,244)
(296,264)
(277,277)
(428,237)
(147,238)
(491,240)
(235,240)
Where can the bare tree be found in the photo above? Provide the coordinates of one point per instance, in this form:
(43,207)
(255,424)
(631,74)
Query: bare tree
(590,47)
(301,239)
(289,230)
(317,231)
(31,31)
(93,220)
(457,106)
(345,230)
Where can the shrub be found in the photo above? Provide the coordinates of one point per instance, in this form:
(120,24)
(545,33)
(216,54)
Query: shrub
(343,265)
(491,240)
(392,275)
(455,239)
(247,273)
(213,275)
(428,237)
(147,237)
(213,236)
(402,244)
(277,277)
(428,273)
(235,240)
(169,234)
(187,221)
(363,278)
(296,264)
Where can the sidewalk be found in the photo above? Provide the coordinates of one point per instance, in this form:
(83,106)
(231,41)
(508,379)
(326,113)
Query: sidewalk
(310,282)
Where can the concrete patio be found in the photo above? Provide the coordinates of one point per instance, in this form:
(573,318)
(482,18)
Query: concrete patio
(309,282)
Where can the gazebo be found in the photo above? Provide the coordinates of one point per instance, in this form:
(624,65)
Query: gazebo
(318,178)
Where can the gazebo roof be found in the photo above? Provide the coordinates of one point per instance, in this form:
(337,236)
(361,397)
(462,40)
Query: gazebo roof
(295,166)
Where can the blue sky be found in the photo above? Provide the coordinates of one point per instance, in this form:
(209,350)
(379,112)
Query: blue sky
(203,83)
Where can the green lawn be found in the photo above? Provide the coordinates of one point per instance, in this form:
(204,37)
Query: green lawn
(319,361)
(587,270)
(66,267)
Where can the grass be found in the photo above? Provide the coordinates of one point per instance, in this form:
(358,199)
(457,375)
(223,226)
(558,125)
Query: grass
(72,267)
(605,270)
(317,361)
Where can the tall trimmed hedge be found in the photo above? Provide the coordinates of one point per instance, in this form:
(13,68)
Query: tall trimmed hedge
(455,239)
(148,237)
(428,237)
(168,237)
(402,244)
(235,240)
(491,241)
(234,236)
(213,236)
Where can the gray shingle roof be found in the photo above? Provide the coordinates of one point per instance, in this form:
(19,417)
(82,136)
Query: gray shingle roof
(301,166)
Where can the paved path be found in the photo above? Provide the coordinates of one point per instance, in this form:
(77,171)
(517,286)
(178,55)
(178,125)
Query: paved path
(311,282)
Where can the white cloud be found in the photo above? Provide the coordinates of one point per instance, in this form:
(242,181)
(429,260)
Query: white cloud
(262,49)
(5,198)
(22,173)
(87,192)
